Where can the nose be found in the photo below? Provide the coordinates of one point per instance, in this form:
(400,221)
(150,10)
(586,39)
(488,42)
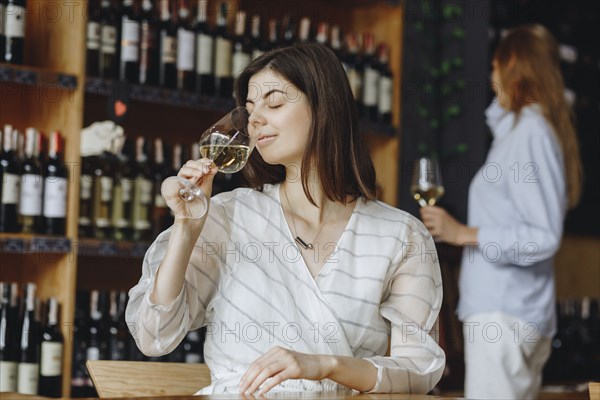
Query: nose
(256,119)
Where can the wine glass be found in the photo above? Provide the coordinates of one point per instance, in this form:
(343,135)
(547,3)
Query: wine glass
(228,144)
(426,186)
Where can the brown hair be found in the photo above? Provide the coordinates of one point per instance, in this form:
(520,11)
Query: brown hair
(335,147)
(529,68)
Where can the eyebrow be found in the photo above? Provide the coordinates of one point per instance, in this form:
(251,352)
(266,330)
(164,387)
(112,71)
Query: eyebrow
(270,92)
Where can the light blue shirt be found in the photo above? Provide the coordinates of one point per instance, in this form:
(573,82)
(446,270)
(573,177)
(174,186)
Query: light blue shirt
(518,202)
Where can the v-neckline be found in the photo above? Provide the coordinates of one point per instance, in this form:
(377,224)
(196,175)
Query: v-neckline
(291,236)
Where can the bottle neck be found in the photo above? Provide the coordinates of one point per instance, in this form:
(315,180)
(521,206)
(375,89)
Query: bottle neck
(52,311)
(201,16)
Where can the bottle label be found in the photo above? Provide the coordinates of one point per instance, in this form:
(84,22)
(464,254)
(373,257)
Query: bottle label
(223,58)
(239,62)
(106,188)
(145,188)
(355,81)
(30,201)
(126,190)
(85,187)
(8,376)
(185,50)
(109,39)
(55,197)
(27,378)
(204,54)
(370,87)
(168,49)
(130,40)
(93,35)
(386,93)
(10,189)
(15,21)
(51,364)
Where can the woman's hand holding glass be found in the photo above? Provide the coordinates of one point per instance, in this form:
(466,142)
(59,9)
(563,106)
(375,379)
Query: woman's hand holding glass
(225,147)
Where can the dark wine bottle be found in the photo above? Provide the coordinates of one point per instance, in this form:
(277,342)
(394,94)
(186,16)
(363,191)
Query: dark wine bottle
(335,42)
(142,193)
(370,78)
(50,383)
(14,31)
(192,347)
(32,185)
(129,57)
(205,43)
(161,217)
(223,53)
(8,337)
(167,67)
(289,31)
(122,200)
(353,65)
(29,360)
(273,37)
(149,56)
(10,174)
(385,90)
(85,197)
(102,195)
(79,373)
(242,45)
(186,75)
(108,41)
(96,341)
(92,47)
(117,332)
(259,45)
(55,188)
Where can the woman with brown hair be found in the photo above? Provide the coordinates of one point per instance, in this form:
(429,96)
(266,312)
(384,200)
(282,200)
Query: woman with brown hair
(304,281)
(517,205)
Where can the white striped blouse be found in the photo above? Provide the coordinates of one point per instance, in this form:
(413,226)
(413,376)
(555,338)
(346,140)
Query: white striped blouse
(248,283)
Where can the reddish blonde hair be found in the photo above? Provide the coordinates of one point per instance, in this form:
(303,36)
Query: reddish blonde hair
(529,68)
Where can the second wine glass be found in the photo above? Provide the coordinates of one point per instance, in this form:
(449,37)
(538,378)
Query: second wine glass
(228,144)
(426,186)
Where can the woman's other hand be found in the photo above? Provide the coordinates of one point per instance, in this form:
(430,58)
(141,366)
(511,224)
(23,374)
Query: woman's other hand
(445,228)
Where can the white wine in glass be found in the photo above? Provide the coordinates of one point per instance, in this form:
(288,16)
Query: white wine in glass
(426,186)
(228,144)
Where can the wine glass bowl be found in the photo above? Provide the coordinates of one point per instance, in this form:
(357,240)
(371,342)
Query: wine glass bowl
(228,144)
(426,185)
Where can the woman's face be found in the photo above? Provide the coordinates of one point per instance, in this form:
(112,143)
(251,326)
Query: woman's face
(282,113)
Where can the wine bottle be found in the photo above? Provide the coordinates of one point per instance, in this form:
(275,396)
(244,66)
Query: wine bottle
(142,193)
(85,197)
(370,78)
(129,58)
(167,68)
(186,46)
(192,348)
(273,37)
(108,41)
(8,337)
(122,202)
(177,159)
(102,195)
(10,173)
(223,47)
(2,36)
(161,217)
(259,45)
(79,373)
(354,70)
(289,31)
(386,87)
(242,45)
(50,383)
(14,31)
(322,31)
(335,42)
(92,47)
(117,331)
(29,361)
(32,185)
(55,189)
(96,341)
(205,42)
(304,30)
(149,56)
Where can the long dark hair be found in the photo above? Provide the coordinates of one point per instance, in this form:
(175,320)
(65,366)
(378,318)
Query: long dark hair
(529,67)
(335,147)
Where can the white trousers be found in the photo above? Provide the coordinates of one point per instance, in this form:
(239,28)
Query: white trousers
(504,357)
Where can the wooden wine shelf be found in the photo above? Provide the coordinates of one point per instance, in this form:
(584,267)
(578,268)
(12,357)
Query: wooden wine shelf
(33,244)
(26,75)
(110,248)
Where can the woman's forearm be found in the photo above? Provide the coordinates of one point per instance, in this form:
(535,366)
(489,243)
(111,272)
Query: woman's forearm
(467,235)
(171,273)
(355,373)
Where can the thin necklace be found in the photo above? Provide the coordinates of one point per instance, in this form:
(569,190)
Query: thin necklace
(305,245)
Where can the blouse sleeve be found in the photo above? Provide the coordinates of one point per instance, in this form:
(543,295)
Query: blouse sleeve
(411,305)
(158,329)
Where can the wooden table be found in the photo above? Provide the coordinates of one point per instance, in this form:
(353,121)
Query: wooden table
(299,396)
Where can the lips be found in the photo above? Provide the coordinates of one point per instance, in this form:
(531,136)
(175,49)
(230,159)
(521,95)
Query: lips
(263,138)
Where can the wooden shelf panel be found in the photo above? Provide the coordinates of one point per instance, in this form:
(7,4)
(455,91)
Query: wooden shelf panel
(110,248)
(33,244)
(26,75)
